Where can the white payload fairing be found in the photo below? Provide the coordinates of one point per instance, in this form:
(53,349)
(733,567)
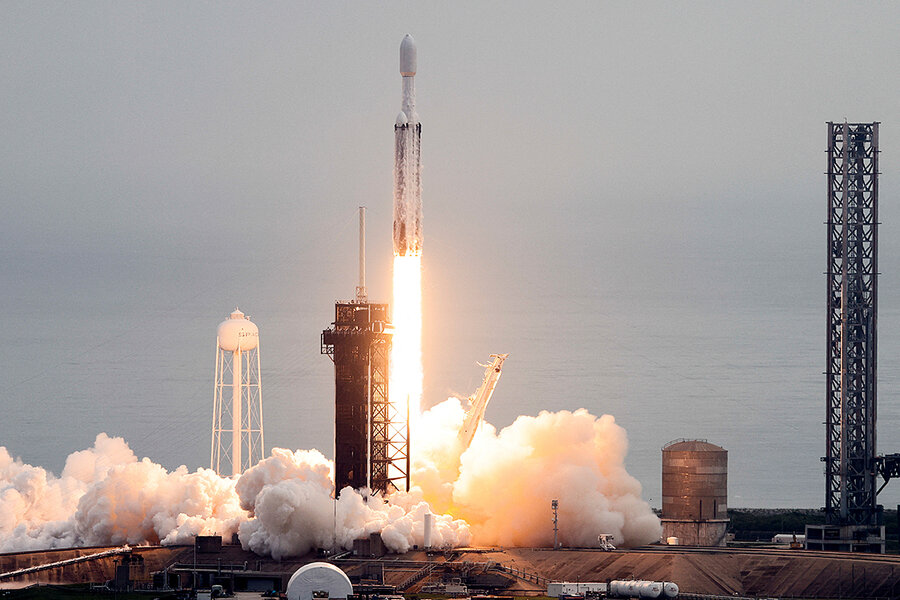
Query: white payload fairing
(407,162)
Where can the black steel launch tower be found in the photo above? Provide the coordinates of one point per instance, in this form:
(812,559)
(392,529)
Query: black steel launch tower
(852,275)
(853,517)
(371,437)
(359,344)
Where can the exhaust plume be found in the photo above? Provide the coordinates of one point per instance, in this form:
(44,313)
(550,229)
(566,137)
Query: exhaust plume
(498,491)
(281,507)
(503,484)
(289,494)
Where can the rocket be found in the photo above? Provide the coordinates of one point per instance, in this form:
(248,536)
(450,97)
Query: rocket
(407,162)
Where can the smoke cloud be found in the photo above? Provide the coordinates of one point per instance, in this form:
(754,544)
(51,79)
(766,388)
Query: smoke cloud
(289,497)
(496,492)
(281,507)
(503,484)
(106,496)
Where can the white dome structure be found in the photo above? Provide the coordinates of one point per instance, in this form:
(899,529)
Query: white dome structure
(321,578)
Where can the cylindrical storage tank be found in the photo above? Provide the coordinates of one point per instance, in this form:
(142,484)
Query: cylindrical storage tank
(429,523)
(650,589)
(318,580)
(623,588)
(670,590)
(238,332)
(694,481)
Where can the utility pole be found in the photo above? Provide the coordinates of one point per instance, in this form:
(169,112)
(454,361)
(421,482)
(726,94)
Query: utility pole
(555,506)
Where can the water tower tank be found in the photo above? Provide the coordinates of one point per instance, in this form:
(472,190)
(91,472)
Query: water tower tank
(695,492)
(237,331)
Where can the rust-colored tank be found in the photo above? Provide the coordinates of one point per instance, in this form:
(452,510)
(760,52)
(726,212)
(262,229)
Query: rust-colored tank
(695,491)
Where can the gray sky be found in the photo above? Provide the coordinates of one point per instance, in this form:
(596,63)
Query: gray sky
(627,197)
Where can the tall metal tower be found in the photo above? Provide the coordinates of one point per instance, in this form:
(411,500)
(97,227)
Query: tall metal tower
(852,323)
(371,436)
(238,442)
(852,514)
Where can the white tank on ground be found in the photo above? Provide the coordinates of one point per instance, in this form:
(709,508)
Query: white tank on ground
(650,589)
(319,580)
(637,588)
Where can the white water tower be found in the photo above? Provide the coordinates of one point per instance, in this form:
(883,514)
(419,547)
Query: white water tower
(237,427)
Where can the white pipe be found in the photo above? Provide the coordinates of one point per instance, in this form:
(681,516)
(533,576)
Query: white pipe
(236,411)
(362,246)
(429,521)
(361,293)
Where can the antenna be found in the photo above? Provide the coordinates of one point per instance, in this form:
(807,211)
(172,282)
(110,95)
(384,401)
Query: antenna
(554,504)
(362,296)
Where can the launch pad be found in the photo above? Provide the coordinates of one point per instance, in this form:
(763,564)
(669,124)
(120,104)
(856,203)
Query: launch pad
(721,572)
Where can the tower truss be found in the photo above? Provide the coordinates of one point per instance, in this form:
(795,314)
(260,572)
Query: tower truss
(852,317)
(371,447)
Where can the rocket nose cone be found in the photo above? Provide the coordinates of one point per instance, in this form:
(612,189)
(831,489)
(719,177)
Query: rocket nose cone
(408,56)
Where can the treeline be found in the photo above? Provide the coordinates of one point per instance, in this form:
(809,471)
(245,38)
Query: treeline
(761,524)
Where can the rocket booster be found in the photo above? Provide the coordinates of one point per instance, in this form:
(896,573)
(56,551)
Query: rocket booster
(407,162)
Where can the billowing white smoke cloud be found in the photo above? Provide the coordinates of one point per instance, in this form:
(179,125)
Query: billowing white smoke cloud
(290,496)
(498,492)
(142,502)
(106,496)
(281,507)
(504,483)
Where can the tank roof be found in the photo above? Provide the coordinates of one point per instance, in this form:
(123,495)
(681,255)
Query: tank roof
(683,445)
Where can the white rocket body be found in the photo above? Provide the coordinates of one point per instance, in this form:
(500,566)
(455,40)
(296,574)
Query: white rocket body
(407,160)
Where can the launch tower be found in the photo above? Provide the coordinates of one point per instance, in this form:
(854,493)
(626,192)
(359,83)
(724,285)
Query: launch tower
(371,447)
(853,517)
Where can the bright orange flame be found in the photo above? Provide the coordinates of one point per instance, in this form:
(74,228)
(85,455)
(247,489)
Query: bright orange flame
(406,351)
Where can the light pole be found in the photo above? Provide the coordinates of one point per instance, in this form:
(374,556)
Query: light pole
(554,504)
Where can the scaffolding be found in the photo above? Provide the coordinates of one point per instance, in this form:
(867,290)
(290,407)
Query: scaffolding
(850,469)
(371,437)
